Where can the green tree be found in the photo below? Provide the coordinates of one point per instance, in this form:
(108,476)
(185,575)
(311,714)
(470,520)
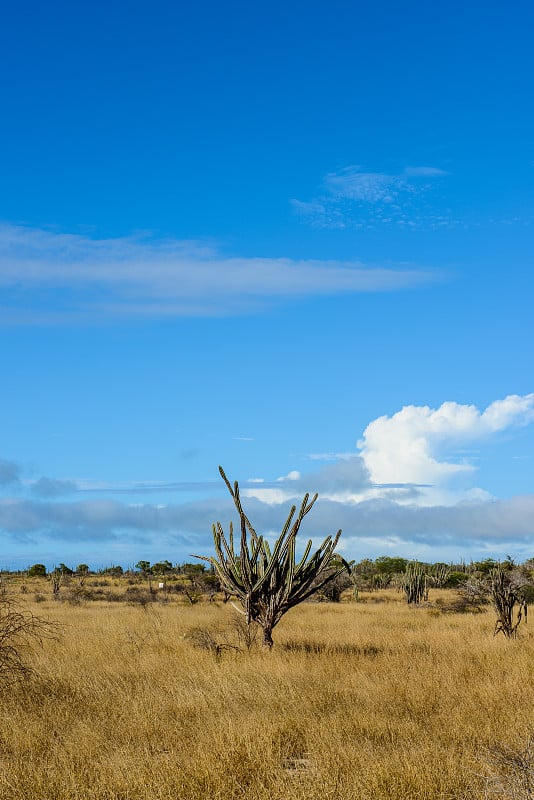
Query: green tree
(37,571)
(192,569)
(486,566)
(269,583)
(143,566)
(115,570)
(161,567)
(390,564)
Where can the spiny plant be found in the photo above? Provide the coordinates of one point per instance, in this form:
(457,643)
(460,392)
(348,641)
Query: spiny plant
(506,594)
(270,582)
(440,574)
(414,583)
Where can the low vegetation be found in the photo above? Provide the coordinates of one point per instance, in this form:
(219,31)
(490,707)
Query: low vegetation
(372,699)
(389,682)
(20,630)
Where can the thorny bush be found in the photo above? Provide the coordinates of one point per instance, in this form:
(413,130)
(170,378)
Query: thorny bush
(19,630)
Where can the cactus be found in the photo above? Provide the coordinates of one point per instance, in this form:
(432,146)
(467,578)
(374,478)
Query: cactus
(506,594)
(440,575)
(414,583)
(56,579)
(269,583)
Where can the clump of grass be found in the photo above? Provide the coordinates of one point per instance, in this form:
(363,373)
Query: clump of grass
(320,648)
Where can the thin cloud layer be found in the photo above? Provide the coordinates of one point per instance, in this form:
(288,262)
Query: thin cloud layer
(370,527)
(51,277)
(354,197)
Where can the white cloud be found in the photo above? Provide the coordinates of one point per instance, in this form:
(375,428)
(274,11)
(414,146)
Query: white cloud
(425,172)
(369,187)
(356,197)
(330,456)
(293,475)
(411,446)
(49,277)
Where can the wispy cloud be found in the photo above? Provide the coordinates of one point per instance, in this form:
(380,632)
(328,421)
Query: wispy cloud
(49,277)
(52,487)
(355,197)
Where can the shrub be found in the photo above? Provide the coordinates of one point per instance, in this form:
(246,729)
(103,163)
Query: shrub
(37,571)
(454,580)
(18,631)
(511,772)
(506,594)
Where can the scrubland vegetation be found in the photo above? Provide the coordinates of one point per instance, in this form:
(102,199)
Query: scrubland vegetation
(372,699)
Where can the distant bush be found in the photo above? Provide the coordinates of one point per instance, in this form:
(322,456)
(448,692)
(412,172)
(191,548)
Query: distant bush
(37,571)
(116,571)
(454,580)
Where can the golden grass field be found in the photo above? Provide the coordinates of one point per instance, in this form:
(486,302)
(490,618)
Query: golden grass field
(367,700)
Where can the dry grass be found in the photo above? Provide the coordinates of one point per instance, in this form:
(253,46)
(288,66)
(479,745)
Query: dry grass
(371,700)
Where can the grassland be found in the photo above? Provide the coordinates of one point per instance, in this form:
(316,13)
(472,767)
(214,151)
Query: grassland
(367,700)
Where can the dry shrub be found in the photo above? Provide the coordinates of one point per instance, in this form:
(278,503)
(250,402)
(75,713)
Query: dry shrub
(245,633)
(511,772)
(19,630)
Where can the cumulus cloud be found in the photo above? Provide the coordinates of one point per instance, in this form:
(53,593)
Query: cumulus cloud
(49,277)
(410,458)
(411,445)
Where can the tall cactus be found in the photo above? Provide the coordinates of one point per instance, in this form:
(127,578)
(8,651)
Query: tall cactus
(414,583)
(269,583)
(440,574)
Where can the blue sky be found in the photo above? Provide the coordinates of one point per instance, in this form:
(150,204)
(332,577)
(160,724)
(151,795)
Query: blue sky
(291,239)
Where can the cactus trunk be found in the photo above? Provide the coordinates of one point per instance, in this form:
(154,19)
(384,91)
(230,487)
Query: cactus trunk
(267,637)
